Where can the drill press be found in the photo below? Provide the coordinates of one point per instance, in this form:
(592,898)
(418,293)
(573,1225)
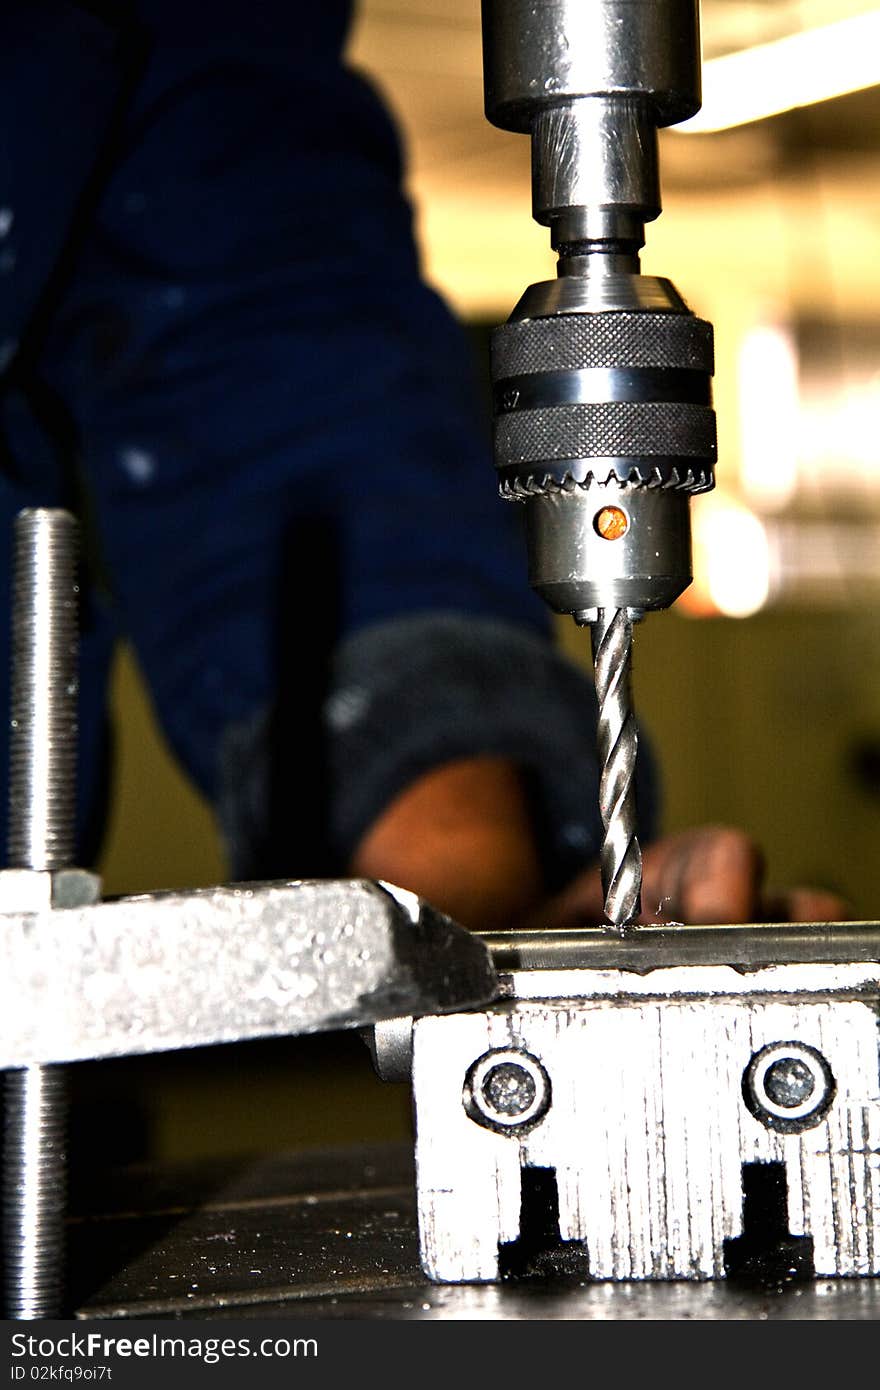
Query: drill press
(603,418)
(675,1105)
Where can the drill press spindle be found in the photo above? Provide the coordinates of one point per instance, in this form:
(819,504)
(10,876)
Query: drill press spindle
(603,418)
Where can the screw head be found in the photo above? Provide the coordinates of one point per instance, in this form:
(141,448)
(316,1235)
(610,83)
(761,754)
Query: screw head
(506,1089)
(789,1082)
(788,1086)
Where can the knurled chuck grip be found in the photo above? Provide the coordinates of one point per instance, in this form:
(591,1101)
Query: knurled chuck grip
(603,424)
(603,427)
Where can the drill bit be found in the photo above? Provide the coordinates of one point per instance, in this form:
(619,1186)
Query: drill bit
(617,738)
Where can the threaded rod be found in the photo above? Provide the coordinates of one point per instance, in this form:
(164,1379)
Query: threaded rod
(41,837)
(617,738)
(34,1191)
(42,750)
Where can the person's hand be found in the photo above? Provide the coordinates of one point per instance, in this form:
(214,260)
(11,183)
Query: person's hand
(711,875)
(461,837)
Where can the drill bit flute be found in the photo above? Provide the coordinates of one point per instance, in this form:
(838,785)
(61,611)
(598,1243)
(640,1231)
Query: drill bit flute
(603,418)
(617,738)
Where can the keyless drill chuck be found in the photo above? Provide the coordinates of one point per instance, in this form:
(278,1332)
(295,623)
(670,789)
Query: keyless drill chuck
(604,430)
(603,427)
(603,419)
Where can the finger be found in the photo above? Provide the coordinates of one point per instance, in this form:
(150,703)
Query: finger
(582,904)
(709,875)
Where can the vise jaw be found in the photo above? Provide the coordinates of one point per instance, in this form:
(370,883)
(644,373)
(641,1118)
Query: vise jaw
(680,1104)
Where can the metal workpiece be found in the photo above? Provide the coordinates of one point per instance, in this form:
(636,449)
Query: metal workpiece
(617,737)
(42,767)
(822,957)
(173,970)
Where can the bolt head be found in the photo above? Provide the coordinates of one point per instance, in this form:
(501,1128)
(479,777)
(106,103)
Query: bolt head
(789,1082)
(788,1086)
(506,1089)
